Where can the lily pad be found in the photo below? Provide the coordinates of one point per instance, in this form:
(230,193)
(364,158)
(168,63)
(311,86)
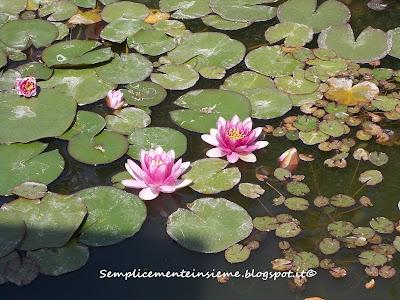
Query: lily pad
(282,174)
(340,229)
(76,53)
(313,137)
(59,261)
(304,261)
(175,77)
(244,10)
(12,8)
(21,34)
(329,246)
(204,107)
(382,225)
(210,225)
(237,253)
(329,13)
(394,36)
(12,231)
(372,44)
(251,190)
(30,190)
(297,204)
(63,216)
(35,69)
(184,9)
(209,176)
(296,84)
(21,270)
(341,200)
(396,243)
(288,230)
(265,223)
(103,148)
(371,177)
(153,137)
(26,162)
(306,123)
(114,215)
(385,103)
(372,258)
(363,232)
(152,42)
(127,120)
(378,158)
(294,34)
(246,80)
(271,61)
(124,10)
(297,188)
(126,68)
(333,128)
(144,93)
(86,122)
(222,24)
(57,10)
(121,29)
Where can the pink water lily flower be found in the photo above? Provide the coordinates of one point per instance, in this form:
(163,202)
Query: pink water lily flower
(115,100)
(26,87)
(234,139)
(157,174)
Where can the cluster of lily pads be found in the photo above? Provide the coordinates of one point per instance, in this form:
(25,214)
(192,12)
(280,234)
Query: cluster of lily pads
(48,233)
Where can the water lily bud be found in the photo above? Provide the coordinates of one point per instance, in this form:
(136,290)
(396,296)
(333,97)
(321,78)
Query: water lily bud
(114,99)
(26,87)
(289,160)
(370,284)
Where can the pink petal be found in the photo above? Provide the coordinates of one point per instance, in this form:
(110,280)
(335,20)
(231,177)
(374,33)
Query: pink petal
(148,194)
(215,152)
(185,166)
(134,184)
(233,157)
(134,170)
(235,120)
(167,189)
(248,157)
(210,139)
(261,144)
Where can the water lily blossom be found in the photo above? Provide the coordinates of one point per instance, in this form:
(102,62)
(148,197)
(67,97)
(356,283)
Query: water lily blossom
(114,99)
(234,139)
(158,173)
(289,159)
(26,87)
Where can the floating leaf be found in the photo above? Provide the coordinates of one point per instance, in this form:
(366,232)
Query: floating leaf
(85,3)
(295,203)
(385,103)
(12,8)
(57,10)
(151,42)
(382,225)
(372,258)
(288,230)
(86,122)
(329,13)
(378,159)
(12,231)
(204,107)
(114,215)
(121,29)
(313,137)
(59,261)
(89,17)
(271,61)
(251,190)
(63,216)
(297,188)
(26,162)
(304,261)
(144,93)
(127,120)
(186,9)
(296,84)
(244,10)
(329,246)
(372,44)
(30,190)
(124,10)
(341,200)
(396,243)
(153,137)
(175,77)
(222,24)
(265,223)
(306,123)
(394,36)
(340,229)
(35,69)
(21,270)
(237,253)
(210,225)
(294,34)
(333,128)
(76,53)
(209,176)
(371,177)
(282,174)
(247,80)
(103,148)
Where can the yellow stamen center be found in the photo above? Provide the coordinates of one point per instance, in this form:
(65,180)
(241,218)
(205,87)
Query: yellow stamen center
(157,162)
(235,134)
(29,87)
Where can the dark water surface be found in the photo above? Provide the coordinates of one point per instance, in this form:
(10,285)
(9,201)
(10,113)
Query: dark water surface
(153,249)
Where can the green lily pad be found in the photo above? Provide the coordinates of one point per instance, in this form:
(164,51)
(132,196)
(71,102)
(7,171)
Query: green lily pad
(333,128)
(251,190)
(237,253)
(175,77)
(153,137)
(282,174)
(271,61)
(265,223)
(103,148)
(372,44)
(186,9)
(59,261)
(12,231)
(341,200)
(83,84)
(306,123)
(204,107)
(329,13)
(209,176)
(297,204)
(63,216)
(35,69)
(144,93)
(396,243)
(127,120)
(371,177)
(152,42)
(21,270)
(329,246)
(26,162)
(63,30)
(30,190)
(172,27)
(57,10)
(288,230)
(210,49)
(394,36)
(76,53)
(382,73)
(114,215)
(378,159)
(210,225)
(268,103)
(120,30)
(126,68)
(363,232)
(222,24)
(85,3)
(313,137)
(304,261)
(340,229)
(297,189)
(296,84)
(124,10)
(294,34)
(372,258)
(325,68)
(86,122)
(382,225)
(12,8)
(21,34)
(385,103)
(246,80)
(117,179)
(244,10)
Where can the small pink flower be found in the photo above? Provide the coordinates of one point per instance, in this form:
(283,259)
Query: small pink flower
(26,86)
(157,173)
(234,139)
(115,100)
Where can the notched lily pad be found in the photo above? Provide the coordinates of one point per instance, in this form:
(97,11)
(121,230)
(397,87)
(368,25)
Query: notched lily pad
(371,177)
(304,261)
(144,93)
(329,246)
(30,190)
(294,34)
(175,77)
(297,188)
(127,120)
(340,229)
(382,225)
(296,203)
(237,253)
(251,190)
(372,258)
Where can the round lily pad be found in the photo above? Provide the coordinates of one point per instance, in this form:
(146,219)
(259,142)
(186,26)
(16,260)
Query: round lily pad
(306,123)
(251,190)
(385,103)
(59,261)
(372,258)
(57,10)
(35,69)
(382,225)
(371,177)
(271,61)
(86,122)
(282,174)
(297,189)
(209,176)
(340,229)
(288,230)
(103,148)
(246,80)
(124,10)
(296,84)
(394,36)
(12,231)
(222,24)
(30,190)
(304,261)
(329,246)
(76,53)
(333,128)
(47,115)
(313,137)
(364,232)
(378,158)
(296,203)
(152,42)
(244,10)
(64,214)
(114,215)
(127,120)
(237,253)
(183,9)
(341,200)
(26,162)
(266,223)
(120,30)
(126,68)
(209,225)
(144,93)
(294,34)
(12,8)
(153,137)
(175,77)
(21,270)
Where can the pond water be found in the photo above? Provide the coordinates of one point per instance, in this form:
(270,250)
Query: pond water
(151,248)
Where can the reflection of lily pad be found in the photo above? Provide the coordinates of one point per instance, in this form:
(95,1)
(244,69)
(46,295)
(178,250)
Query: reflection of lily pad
(153,137)
(244,10)
(204,107)
(371,177)
(209,225)
(126,120)
(175,77)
